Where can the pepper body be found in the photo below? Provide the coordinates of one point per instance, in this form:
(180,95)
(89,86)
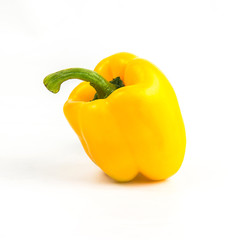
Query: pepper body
(136,129)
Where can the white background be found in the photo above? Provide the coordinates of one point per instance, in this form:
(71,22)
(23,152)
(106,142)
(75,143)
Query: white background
(49,189)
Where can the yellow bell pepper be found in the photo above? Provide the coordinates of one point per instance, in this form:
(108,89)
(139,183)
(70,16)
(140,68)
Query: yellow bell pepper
(133,124)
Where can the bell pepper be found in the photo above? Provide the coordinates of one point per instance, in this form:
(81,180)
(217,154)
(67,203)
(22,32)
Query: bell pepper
(127,117)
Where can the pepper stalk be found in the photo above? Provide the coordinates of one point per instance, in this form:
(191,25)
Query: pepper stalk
(102,86)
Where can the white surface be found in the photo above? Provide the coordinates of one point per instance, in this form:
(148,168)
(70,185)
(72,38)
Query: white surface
(49,189)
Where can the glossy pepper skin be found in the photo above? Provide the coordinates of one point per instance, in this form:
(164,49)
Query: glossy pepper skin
(136,129)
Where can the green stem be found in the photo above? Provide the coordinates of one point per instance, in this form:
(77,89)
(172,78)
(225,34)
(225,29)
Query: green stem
(103,87)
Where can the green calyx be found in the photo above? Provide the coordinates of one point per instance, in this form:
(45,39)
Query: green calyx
(116,81)
(103,87)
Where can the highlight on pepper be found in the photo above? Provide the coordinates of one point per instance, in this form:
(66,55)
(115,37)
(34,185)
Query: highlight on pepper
(127,117)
